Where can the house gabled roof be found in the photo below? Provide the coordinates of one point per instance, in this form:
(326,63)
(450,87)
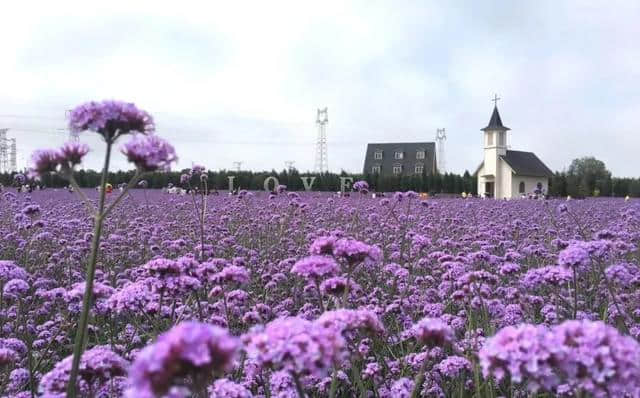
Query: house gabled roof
(526,164)
(495,123)
(408,162)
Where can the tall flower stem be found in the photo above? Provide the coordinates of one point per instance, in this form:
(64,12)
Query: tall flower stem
(345,295)
(334,383)
(81,330)
(319,296)
(131,184)
(614,297)
(575,293)
(146,200)
(202,214)
(419,379)
(84,198)
(299,388)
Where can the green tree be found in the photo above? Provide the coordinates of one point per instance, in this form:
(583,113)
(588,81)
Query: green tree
(588,173)
(634,188)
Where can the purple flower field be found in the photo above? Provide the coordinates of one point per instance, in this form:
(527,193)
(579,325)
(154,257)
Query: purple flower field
(317,295)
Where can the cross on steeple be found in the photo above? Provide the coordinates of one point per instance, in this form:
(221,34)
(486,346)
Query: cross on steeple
(495,100)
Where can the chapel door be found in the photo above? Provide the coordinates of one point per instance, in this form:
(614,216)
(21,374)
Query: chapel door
(488,189)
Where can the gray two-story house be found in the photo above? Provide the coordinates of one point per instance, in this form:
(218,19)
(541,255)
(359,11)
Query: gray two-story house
(400,159)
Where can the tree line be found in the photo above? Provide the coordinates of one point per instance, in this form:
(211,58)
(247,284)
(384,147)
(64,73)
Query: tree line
(585,176)
(438,183)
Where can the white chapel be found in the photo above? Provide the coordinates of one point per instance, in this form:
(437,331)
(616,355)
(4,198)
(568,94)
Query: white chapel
(506,174)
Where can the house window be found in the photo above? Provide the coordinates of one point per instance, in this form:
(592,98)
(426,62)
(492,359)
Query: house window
(420,155)
(419,168)
(521,187)
(399,155)
(377,155)
(375,169)
(397,169)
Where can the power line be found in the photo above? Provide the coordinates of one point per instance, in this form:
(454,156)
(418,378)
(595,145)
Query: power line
(60,132)
(16,116)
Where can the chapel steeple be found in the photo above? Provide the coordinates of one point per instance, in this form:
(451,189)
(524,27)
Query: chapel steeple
(495,123)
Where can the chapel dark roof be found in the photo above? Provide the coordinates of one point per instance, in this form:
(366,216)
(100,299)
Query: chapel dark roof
(526,164)
(495,123)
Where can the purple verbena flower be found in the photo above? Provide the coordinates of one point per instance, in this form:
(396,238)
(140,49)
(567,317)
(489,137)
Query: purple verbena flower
(44,161)
(16,288)
(522,353)
(72,152)
(360,186)
(315,267)
(348,320)
(8,356)
(110,118)
(296,345)
(225,388)
(453,365)
(19,179)
(322,245)
(149,153)
(232,274)
(402,388)
(574,256)
(432,332)
(354,251)
(595,358)
(98,366)
(334,286)
(188,349)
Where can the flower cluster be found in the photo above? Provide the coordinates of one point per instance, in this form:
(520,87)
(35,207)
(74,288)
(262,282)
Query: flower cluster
(432,332)
(296,345)
(188,349)
(315,267)
(46,161)
(110,118)
(578,356)
(100,368)
(348,320)
(149,153)
(361,186)
(354,251)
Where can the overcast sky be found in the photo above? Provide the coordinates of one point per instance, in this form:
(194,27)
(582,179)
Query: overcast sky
(241,81)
